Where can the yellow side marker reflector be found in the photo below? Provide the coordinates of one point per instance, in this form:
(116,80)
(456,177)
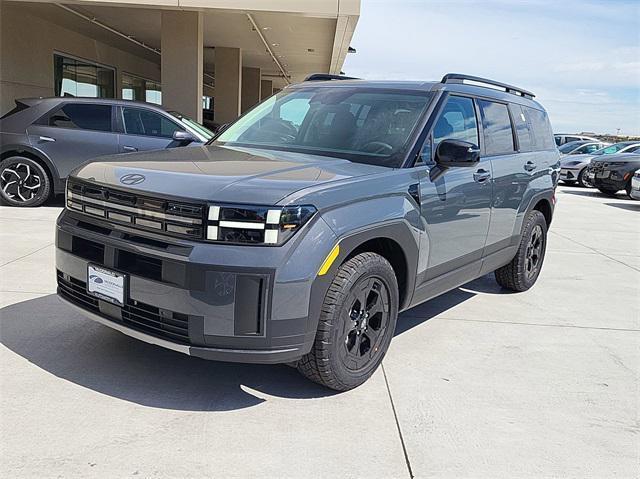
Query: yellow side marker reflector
(329,260)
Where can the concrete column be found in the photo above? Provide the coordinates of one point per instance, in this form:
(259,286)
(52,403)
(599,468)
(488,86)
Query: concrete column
(228,73)
(250,87)
(182,62)
(266,89)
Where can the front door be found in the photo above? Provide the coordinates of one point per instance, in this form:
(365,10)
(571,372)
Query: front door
(145,129)
(456,204)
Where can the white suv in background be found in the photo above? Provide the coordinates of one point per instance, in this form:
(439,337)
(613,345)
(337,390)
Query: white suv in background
(562,138)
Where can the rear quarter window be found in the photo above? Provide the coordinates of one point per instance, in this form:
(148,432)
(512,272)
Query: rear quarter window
(80,116)
(541,128)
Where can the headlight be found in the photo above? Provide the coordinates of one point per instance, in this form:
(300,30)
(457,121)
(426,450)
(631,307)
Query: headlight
(266,225)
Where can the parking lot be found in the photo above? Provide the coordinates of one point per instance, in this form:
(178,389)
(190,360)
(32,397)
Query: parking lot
(477,383)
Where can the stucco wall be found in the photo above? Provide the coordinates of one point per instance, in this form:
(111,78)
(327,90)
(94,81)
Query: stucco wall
(27,45)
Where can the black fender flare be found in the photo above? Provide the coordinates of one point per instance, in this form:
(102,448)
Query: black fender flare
(398,231)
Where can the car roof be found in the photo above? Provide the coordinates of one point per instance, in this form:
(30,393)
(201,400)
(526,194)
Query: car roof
(100,101)
(424,86)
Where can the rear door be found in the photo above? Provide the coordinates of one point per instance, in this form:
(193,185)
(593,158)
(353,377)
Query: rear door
(73,133)
(145,129)
(455,205)
(511,169)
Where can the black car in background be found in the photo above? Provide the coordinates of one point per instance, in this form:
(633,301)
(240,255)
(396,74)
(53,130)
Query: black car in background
(43,139)
(613,173)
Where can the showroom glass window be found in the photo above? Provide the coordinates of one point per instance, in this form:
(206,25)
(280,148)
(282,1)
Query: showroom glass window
(79,78)
(141,89)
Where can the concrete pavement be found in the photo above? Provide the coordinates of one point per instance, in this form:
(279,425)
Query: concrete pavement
(478,382)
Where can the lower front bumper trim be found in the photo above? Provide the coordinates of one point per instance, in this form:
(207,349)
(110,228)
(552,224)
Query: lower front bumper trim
(270,356)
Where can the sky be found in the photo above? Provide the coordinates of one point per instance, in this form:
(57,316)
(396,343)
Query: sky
(580,58)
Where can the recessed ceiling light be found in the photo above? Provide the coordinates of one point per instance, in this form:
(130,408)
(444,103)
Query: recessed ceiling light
(311,50)
(275,44)
(266,28)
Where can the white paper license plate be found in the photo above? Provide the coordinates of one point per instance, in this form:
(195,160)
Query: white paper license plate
(106,284)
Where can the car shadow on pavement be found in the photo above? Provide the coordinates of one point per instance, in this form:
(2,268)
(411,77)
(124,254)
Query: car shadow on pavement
(53,337)
(626,206)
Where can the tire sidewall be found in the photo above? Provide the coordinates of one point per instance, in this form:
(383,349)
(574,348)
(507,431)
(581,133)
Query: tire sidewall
(536,219)
(380,269)
(43,193)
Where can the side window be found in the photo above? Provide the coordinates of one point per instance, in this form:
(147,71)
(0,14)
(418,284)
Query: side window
(523,127)
(591,148)
(558,140)
(138,121)
(457,121)
(498,135)
(541,128)
(81,117)
(572,138)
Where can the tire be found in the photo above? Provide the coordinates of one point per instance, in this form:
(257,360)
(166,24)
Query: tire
(23,182)
(352,340)
(523,270)
(581,178)
(608,192)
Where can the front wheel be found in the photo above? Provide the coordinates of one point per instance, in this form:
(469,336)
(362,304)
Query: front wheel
(23,182)
(357,322)
(523,270)
(582,179)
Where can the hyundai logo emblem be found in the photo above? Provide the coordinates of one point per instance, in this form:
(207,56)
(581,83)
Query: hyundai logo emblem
(132,179)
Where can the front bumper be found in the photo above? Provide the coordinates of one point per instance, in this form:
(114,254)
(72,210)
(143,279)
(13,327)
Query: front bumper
(227,303)
(569,174)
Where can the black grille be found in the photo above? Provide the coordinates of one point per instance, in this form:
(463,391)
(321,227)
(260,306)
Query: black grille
(135,314)
(174,218)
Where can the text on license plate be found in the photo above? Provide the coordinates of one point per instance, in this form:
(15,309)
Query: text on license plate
(106,284)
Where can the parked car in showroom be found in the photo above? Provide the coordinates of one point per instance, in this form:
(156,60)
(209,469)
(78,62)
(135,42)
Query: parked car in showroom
(613,173)
(635,185)
(562,138)
(581,147)
(573,168)
(43,139)
(302,230)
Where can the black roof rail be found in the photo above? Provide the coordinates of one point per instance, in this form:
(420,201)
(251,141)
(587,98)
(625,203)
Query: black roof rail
(460,77)
(328,76)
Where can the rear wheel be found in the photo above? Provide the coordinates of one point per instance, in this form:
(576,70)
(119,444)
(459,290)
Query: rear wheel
(523,270)
(357,322)
(23,182)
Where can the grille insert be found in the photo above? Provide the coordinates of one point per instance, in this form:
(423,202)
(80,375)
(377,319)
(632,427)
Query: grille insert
(137,210)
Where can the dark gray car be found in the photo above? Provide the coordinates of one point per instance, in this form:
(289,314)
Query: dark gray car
(43,139)
(301,231)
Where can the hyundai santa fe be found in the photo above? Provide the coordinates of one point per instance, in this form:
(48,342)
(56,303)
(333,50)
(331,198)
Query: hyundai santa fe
(301,231)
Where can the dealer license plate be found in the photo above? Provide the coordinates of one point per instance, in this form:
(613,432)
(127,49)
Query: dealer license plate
(106,284)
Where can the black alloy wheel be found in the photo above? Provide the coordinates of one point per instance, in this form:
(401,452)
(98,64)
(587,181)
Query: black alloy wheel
(367,322)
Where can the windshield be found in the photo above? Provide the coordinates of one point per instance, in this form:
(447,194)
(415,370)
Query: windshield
(568,147)
(193,125)
(611,149)
(358,124)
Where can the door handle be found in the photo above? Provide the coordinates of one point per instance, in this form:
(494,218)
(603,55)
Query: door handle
(46,138)
(529,166)
(481,176)
(129,148)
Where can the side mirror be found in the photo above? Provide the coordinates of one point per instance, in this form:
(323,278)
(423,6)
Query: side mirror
(457,153)
(183,137)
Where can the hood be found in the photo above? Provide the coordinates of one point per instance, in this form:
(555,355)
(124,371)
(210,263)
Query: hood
(618,159)
(221,173)
(575,159)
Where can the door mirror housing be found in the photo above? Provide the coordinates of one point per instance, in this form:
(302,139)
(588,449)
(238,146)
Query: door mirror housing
(456,153)
(183,137)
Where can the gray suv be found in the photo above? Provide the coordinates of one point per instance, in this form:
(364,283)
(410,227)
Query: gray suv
(43,139)
(302,230)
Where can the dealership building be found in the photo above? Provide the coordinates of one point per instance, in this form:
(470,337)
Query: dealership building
(211,57)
